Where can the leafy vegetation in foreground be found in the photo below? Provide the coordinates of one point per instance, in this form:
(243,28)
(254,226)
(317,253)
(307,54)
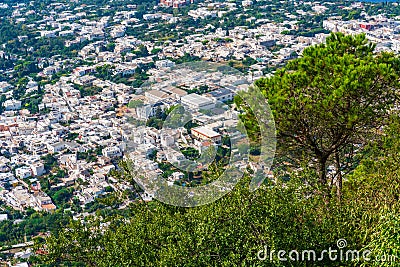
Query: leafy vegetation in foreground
(33,224)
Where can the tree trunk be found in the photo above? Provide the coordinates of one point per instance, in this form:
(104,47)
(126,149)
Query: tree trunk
(326,193)
(339,178)
(322,170)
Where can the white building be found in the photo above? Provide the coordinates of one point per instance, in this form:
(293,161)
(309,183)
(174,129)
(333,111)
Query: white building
(66,33)
(221,95)
(202,13)
(247,3)
(175,157)
(164,64)
(167,140)
(48,34)
(118,31)
(111,152)
(196,102)
(204,133)
(178,175)
(395,45)
(56,147)
(4,87)
(12,104)
(37,169)
(7,176)
(151,16)
(44,202)
(23,172)
(3,217)
(147,111)
(154,96)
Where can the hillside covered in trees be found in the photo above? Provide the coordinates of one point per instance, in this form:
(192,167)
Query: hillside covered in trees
(337,105)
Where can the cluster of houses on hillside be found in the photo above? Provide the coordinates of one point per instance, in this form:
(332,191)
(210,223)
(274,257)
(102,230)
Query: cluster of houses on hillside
(382,31)
(169,88)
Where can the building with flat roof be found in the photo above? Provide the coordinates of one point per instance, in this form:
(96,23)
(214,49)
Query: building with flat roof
(204,133)
(196,102)
(154,96)
(175,92)
(221,95)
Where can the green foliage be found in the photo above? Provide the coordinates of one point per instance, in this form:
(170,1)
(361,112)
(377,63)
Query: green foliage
(190,153)
(104,72)
(385,245)
(155,51)
(72,136)
(206,112)
(186,58)
(61,196)
(110,47)
(88,90)
(333,96)
(135,104)
(199,90)
(142,51)
(89,156)
(49,161)
(30,226)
